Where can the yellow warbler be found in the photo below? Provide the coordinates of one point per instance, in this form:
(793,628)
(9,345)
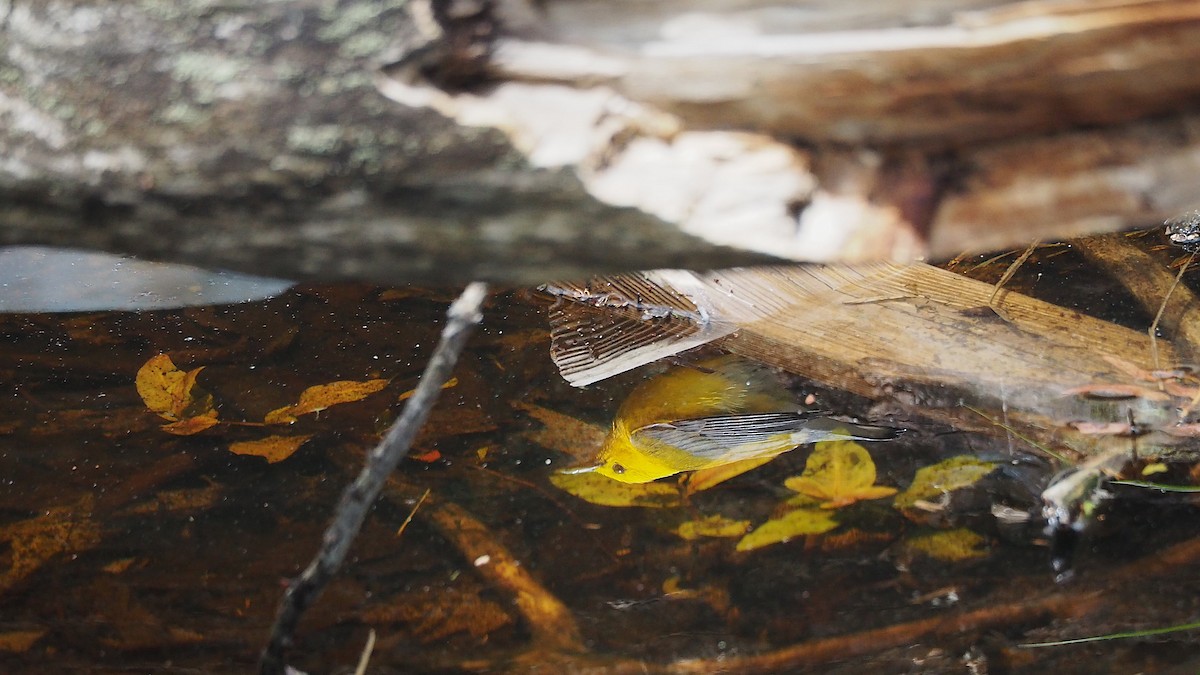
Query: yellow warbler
(717,412)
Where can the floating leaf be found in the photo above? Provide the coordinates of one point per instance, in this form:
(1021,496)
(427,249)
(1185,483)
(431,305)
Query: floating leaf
(272,448)
(712,526)
(164,388)
(948,545)
(322,396)
(172,394)
(594,488)
(789,526)
(192,425)
(839,473)
(931,482)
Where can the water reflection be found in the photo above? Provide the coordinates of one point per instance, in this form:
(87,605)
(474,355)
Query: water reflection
(37,279)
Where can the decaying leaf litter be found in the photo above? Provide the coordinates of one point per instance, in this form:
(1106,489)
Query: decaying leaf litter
(632,584)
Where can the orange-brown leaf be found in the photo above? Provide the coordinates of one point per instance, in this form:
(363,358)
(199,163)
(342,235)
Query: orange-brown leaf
(322,396)
(272,448)
(192,425)
(165,389)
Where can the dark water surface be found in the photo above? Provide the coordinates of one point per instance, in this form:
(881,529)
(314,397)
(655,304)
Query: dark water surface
(129,549)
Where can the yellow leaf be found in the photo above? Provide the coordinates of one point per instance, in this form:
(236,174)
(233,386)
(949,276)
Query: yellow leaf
(272,448)
(839,473)
(949,545)
(931,482)
(322,396)
(712,526)
(594,488)
(280,416)
(789,526)
(168,391)
(1151,469)
(192,425)
(704,479)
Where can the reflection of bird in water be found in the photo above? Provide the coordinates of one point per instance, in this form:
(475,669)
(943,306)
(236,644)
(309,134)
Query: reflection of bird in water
(1184,231)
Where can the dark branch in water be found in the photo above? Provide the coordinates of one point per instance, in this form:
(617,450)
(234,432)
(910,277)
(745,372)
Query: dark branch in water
(358,497)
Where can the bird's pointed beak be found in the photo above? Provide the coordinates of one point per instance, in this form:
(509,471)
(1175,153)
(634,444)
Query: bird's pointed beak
(573,470)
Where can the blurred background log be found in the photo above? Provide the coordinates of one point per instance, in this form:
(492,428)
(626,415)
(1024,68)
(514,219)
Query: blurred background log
(445,140)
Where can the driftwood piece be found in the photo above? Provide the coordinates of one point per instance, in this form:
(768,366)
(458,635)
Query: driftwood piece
(266,137)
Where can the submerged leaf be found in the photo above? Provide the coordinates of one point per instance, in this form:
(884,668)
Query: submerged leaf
(949,545)
(564,433)
(272,448)
(594,488)
(712,526)
(322,396)
(931,482)
(58,530)
(789,526)
(839,473)
(704,479)
(19,641)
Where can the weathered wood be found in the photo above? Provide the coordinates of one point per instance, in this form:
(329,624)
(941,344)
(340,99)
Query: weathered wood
(266,137)
(941,73)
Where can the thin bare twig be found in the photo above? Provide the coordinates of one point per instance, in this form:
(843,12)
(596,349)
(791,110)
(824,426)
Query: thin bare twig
(356,501)
(1153,330)
(1008,274)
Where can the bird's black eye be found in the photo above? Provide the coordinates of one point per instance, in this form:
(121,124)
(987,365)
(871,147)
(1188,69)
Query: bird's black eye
(618,469)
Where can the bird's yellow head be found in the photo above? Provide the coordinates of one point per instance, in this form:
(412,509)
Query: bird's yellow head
(621,459)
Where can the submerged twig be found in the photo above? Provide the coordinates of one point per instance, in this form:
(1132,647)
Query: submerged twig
(365,658)
(1153,330)
(549,621)
(404,525)
(357,499)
